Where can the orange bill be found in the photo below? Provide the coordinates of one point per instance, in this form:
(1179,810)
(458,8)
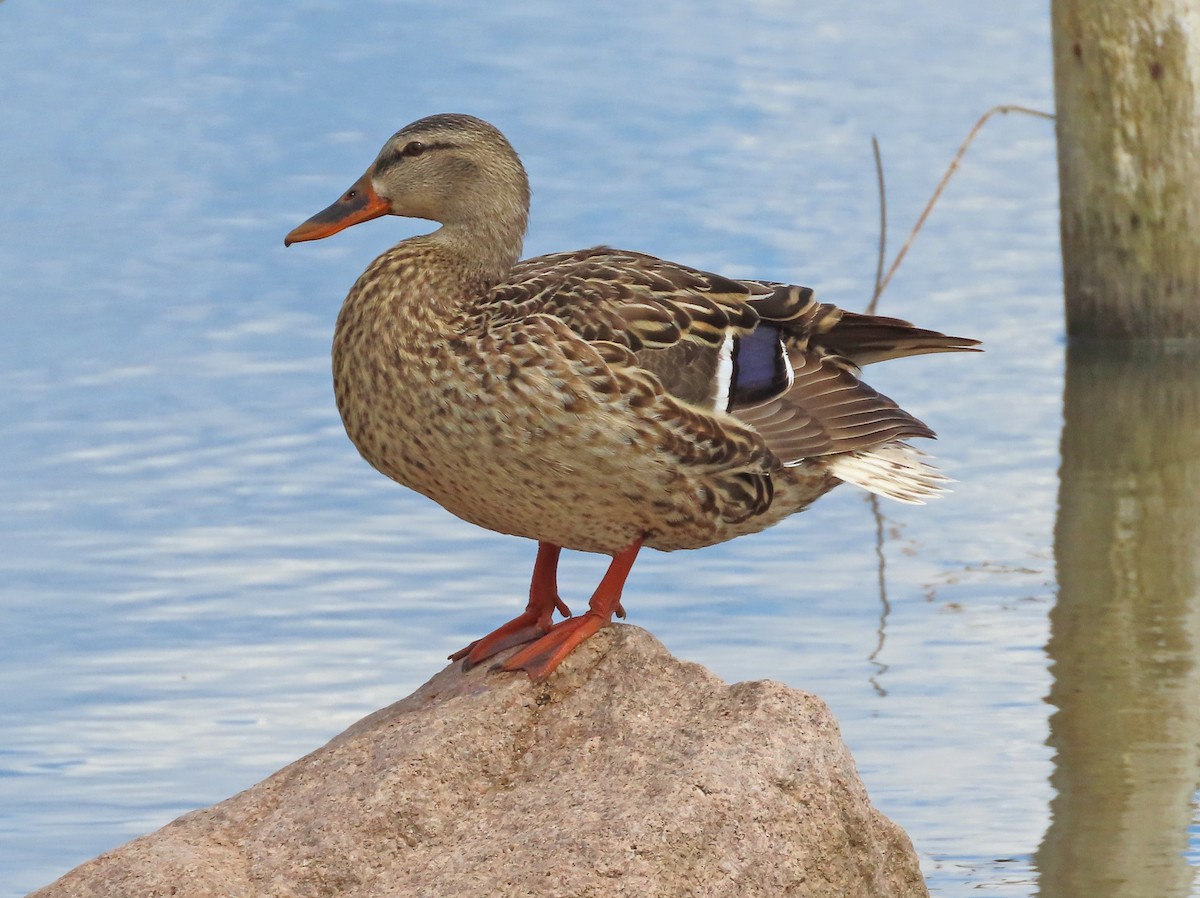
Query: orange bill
(359,203)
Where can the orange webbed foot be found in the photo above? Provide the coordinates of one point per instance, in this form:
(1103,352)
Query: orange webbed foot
(541,658)
(535,621)
(521,629)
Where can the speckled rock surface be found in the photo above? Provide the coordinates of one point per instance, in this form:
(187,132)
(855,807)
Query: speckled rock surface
(628,773)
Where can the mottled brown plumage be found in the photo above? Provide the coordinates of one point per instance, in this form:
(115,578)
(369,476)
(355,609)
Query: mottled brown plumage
(601,399)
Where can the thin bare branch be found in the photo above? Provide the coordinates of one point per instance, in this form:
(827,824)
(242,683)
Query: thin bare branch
(882,228)
(882,285)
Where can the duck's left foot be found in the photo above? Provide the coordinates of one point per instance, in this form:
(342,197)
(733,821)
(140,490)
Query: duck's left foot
(533,622)
(523,628)
(541,658)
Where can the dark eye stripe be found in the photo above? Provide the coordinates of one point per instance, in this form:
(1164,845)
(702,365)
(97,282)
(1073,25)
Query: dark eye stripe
(405,152)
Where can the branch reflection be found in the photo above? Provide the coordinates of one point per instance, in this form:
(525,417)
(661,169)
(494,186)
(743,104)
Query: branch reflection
(885,607)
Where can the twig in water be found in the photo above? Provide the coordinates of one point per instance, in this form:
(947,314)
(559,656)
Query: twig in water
(881,281)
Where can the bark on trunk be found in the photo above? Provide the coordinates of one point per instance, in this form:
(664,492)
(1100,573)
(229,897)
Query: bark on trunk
(1127,82)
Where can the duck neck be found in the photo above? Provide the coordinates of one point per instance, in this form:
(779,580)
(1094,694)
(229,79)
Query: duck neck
(483,223)
(486,247)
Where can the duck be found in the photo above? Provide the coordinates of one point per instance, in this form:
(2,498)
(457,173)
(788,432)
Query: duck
(599,400)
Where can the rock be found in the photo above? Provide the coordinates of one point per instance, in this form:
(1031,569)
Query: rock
(628,773)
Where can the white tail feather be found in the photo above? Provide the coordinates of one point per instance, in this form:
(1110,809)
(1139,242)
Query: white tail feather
(896,470)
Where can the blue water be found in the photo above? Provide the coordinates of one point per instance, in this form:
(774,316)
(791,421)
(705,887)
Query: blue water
(200,579)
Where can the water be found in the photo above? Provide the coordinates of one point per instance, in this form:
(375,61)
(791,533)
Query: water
(202,581)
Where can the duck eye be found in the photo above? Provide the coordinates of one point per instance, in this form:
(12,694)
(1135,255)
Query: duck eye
(413,148)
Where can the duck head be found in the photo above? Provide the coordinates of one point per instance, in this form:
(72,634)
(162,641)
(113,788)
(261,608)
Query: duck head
(454,169)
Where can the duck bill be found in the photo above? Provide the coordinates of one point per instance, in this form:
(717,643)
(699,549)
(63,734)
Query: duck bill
(358,204)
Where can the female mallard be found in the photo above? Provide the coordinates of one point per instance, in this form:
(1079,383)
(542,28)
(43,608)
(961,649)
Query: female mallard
(600,400)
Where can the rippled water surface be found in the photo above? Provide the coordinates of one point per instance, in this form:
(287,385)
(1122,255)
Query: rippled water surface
(200,580)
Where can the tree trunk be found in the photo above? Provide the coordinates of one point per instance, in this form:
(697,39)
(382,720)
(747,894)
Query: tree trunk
(1127,83)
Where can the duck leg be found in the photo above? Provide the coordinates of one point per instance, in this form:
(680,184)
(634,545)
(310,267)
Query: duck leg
(540,658)
(534,621)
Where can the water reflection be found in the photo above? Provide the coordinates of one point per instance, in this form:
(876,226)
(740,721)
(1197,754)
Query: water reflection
(1125,634)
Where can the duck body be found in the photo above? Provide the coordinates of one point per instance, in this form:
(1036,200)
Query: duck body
(518,423)
(597,400)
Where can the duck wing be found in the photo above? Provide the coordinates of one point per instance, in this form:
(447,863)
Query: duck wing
(766,354)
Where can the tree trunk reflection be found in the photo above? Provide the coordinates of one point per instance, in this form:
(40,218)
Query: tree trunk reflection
(1125,633)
